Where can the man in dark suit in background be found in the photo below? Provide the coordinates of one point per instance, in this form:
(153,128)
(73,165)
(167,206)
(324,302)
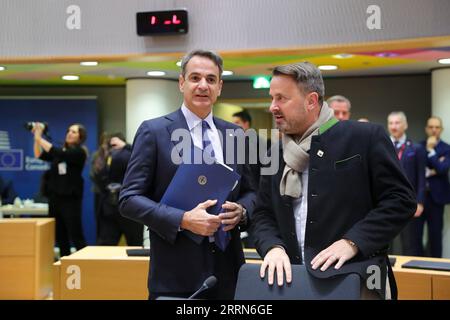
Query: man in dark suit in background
(437,186)
(257,148)
(184,251)
(413,158)
(339,196)
(111,224)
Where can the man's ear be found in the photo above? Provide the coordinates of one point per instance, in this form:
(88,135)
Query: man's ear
(181,83)
(312,100)
(220,87)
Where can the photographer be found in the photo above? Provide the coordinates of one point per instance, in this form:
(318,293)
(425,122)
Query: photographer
(111,225)
(65,183)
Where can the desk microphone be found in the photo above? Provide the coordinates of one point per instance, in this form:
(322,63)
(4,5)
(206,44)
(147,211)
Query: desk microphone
(208,284)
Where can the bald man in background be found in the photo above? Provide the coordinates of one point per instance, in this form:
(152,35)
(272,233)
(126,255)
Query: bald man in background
(412,158)
(437,186)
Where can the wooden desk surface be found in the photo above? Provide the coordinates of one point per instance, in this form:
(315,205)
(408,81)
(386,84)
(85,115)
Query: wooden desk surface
(104,253)
(37,221)
(104,273)
(108,273)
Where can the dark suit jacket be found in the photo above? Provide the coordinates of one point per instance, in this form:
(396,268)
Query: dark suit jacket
(178,264)
(413,162)
(439,184)
(71,183)
(356,190)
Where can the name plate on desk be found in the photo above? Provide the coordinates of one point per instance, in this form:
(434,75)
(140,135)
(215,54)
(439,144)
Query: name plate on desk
(138,252)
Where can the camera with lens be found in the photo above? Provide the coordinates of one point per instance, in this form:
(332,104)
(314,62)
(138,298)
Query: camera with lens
(31,125)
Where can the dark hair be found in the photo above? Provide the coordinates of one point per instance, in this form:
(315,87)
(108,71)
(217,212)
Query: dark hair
(214,57)
(308,77)
(244,116)
(118,135)
(82,132)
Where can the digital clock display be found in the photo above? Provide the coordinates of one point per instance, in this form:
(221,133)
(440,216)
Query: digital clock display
(162,22)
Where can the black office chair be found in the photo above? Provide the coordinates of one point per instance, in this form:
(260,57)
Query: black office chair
(304,286)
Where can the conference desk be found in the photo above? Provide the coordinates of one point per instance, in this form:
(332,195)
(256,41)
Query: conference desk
(26,258)
(108,273)
(101,272)
(416,284)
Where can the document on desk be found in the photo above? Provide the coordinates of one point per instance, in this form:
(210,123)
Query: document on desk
(427,265)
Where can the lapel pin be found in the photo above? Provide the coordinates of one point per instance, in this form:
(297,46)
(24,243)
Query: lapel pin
(320,153)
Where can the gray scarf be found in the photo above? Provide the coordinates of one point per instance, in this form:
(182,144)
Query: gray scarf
(296,156)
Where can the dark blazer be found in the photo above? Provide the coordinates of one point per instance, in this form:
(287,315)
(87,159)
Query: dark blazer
(7,192)
(356,190)
(178,264)
(119,163)
(439,184)
(70,184)
(413,162)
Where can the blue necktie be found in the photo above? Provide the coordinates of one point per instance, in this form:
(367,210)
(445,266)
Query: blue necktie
(221,238)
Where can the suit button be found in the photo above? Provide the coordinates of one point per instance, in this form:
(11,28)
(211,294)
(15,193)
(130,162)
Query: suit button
(314,195)
(293,234)
(311,221)
(297,257)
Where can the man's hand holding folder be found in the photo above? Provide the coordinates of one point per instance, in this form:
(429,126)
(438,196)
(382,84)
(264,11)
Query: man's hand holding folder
(232,216)
(199,221)
(206,209)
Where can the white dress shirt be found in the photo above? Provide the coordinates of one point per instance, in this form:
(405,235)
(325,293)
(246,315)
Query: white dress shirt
(401,141)
(194,123)
(300,207)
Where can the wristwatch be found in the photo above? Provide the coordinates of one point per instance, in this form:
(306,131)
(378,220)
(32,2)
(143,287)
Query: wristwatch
(350,242)
(244,216)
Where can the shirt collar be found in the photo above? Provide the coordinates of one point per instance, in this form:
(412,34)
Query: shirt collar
(401,141)
(193,120)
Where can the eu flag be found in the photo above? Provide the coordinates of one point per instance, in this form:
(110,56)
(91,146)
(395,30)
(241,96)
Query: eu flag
(11,160)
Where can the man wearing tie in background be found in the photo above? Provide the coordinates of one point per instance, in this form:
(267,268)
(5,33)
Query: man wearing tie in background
(179,262)
(340,195)
(412,157)
(438,186)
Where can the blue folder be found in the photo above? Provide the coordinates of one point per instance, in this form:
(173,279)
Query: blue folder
(196,183)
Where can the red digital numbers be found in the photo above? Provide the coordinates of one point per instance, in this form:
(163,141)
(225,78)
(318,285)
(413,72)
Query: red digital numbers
(175,20)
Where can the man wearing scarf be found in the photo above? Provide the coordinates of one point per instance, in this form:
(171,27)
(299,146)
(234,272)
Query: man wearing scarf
(339,196)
